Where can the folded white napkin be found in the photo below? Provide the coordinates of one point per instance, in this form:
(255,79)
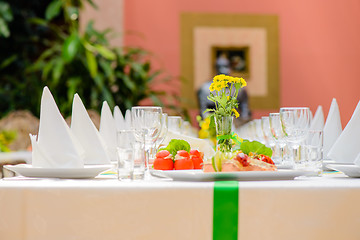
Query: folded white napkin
(128,119)
(119,119)
(56,146)
(332,128)
(85,131)
(317,122)
(347,146)
(195,143)
(108,130)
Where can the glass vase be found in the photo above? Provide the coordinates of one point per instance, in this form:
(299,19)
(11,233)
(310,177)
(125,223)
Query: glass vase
(223,133)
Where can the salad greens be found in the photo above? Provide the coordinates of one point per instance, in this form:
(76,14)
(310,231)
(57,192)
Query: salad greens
(176,145)
(255,147)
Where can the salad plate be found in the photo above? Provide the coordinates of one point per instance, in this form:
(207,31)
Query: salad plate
(199,175)
(350,170)
(88,171)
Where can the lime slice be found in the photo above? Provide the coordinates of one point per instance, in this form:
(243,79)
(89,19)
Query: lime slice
(217,161)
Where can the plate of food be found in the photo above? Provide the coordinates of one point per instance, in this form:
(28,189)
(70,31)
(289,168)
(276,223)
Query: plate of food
(178,162)
(88,171)
(199,175)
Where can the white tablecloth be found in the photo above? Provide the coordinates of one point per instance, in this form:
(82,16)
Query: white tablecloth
(106,209)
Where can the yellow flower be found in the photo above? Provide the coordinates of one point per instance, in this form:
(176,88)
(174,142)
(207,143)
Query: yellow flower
(235,112)
(228,98)
(212,87)
(206,124)
(243,82)
(203,134)
(219,86)
(218,78)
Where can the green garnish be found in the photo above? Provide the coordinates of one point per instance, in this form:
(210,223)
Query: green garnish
(176,145)
(255,147)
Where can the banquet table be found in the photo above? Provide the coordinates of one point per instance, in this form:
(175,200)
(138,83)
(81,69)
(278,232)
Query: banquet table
(324,207)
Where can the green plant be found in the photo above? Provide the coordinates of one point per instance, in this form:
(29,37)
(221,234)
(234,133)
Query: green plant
(6,137)
(87,64)
(6,16)
(57,54)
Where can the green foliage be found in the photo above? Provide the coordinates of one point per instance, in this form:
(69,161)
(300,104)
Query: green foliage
(255,147)
(6,137)
(6,16)
(53,52)
(177,145)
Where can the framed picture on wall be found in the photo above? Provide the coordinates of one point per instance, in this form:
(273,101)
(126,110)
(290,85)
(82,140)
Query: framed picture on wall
(231,60)
(248,44)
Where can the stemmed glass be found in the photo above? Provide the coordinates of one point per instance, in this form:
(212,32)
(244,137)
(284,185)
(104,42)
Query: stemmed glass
(258,131)
(174,123)
(278,136)
(162,135)
(295,122)
(269,140)
(148,121)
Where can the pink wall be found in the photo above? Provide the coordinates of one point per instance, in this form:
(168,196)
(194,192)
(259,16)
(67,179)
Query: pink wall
(319,44)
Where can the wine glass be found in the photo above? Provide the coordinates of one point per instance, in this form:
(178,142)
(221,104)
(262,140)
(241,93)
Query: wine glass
(162,134)
(279,137)
(148,121)
(295,122)
(269,140)
(174,124)
(258,131)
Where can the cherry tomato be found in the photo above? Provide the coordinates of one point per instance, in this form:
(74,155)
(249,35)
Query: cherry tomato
(195,152)
(197,158)
(163,164)
(266,159)
(198,162)
(183,161)
(183,153)
(162,153)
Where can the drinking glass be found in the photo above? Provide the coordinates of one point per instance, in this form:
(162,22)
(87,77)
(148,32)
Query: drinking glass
(148,121)
(174,124)
(186,128)
(265,127)
(314,152)
(269,140)
(131,155)
(259,132)
(162,135)
(279,137)
(295,122)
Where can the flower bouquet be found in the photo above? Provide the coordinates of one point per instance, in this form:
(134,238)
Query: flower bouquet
(248,156)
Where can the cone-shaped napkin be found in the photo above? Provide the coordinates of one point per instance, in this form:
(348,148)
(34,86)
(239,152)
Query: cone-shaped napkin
(347,146)
(108,130)
(317,122)
(119,119)
(55,147)
(128,119)
(332,128)
(85,131)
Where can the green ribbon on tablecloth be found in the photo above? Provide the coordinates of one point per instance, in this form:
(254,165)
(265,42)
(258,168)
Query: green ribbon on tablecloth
(225,210)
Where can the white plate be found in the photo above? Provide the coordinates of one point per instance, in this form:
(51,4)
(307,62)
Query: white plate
(199,175)
(350,170)
(27,170)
